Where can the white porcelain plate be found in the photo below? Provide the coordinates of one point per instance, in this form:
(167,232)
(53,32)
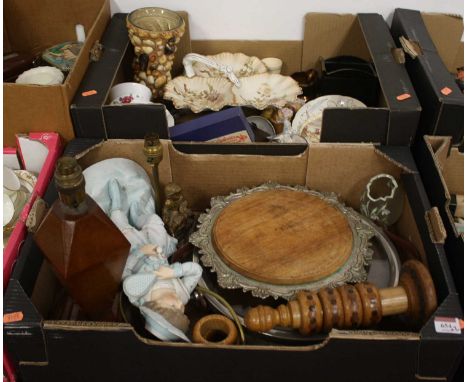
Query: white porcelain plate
(42,75)
(8,209)
(308,120)
(10,180)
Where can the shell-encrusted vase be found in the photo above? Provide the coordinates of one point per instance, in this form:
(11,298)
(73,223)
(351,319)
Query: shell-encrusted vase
(199,93)
(154,33)
(241,64)
(263,90)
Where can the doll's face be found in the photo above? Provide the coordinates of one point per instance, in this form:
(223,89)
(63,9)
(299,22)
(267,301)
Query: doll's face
(167,298)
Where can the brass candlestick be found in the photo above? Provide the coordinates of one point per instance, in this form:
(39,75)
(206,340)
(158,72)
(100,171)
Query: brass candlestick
(153,151)
(352,306)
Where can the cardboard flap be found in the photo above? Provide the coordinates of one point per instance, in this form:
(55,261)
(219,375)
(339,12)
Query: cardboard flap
(369,122)
(24,331)
(221,174)
(446,32)
(440,147)
(437,349)
(454,173)
(92,35)
(290,52)
(329,35)
(382,49)
(436,226)
(21,94)
(399,156)
(459,59)
(432,159)
(362,163)
(376,33)
(33,26)
(412,27)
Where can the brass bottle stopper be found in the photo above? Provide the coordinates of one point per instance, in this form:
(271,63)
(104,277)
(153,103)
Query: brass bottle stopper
(153,151)
(352,306)
(70,182)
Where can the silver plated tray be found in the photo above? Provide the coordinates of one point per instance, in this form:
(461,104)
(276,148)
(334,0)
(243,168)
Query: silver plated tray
(383,271)
(352,270)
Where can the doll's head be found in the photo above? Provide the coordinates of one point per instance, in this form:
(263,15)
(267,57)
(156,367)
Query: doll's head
(166,302)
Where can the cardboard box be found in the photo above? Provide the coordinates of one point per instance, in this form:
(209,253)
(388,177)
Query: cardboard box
(366,36)
(325,35)
(62,350)
(442,171)
(32,27)
(52,143)
(92,116)
(440,96)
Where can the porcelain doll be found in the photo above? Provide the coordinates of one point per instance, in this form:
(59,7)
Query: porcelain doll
(159,289)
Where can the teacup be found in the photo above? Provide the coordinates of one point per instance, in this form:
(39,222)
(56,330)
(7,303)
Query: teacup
(11,183)
(129,93)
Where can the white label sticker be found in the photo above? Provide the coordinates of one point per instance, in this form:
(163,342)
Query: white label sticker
(447,325)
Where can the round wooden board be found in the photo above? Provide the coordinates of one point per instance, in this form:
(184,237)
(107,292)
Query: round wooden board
(282,237)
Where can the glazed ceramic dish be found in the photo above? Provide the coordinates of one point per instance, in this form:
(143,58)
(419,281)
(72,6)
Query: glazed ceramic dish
(198,93)
(214,93)
(241,64)
(42,75)
(308,120)
(129,92)
(263,90)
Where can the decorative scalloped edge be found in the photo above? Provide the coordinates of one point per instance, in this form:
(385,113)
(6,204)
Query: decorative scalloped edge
(229,97)
(351,272)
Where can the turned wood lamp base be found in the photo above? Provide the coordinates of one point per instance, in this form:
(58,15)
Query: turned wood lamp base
(352,306)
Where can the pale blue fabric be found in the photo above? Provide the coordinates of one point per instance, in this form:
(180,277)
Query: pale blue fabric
(123,190)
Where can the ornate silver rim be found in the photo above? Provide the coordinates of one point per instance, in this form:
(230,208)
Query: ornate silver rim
(352,271)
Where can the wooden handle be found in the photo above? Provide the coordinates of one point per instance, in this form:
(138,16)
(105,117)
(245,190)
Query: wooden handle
(352,306)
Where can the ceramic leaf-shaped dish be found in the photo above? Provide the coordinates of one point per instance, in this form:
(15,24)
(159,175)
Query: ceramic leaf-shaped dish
(241,64)
(263,90)
(198,93)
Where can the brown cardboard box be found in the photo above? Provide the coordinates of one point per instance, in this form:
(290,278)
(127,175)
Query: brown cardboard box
(325,35)
(31,27)
(431,62)
(446,32)
(47,349)
(328,35)
(442,172)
